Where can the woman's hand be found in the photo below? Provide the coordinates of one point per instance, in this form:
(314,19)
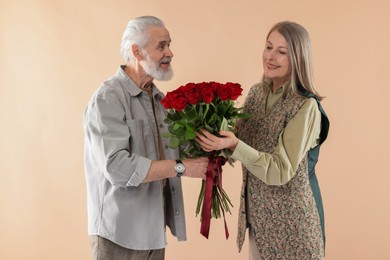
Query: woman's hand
(210,142)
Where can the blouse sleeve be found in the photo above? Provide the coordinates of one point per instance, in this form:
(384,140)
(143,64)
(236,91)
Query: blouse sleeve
(300,135)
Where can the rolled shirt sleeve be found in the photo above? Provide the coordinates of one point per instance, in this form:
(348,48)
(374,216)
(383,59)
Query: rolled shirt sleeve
(301,134)
(110,142)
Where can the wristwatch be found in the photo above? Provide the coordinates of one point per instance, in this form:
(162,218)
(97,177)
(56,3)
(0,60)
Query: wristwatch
(179,168)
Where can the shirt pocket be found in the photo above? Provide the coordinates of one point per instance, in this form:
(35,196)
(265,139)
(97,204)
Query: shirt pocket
(141,138)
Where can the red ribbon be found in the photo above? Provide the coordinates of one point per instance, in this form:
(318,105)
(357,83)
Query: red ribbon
(213,177)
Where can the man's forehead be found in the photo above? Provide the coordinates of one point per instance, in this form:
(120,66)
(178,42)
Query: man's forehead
(158,34)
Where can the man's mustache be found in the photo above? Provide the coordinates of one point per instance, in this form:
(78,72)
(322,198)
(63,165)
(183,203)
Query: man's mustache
(166,60)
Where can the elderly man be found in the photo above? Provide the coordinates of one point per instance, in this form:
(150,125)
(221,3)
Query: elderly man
(133,178)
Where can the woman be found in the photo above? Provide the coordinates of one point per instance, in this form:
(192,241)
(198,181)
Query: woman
(278,147)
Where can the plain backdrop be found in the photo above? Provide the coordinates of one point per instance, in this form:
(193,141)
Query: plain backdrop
(54,54)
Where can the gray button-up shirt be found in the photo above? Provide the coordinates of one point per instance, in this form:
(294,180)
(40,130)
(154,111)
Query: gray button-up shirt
(121,140)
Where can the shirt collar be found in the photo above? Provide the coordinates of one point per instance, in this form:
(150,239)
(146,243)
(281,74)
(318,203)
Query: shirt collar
(133,89)
(283,90)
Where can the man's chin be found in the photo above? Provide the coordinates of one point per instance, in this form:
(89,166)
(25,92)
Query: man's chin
(165,76)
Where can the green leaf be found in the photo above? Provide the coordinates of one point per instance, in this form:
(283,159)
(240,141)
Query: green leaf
(244,115)
(208,128)
(223,108)
(224,124)
(212,119)
(168,121)
(166,135)
(190,125)
(191,114)
(175,116)
(189,134)
(174,142)
(177,126)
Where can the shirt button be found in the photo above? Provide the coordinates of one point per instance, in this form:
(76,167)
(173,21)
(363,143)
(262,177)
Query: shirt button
(177,212)
(161,125)
(173,189)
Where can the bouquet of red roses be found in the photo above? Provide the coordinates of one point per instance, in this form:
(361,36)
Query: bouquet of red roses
(210,106)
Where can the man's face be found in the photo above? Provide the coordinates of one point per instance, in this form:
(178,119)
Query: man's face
(157,54)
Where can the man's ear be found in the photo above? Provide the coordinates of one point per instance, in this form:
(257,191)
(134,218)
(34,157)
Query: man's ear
(137,52)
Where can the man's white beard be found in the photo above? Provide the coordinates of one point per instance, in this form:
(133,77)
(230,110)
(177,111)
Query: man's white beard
(153,69)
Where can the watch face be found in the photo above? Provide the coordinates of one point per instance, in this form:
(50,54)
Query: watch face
(180,168)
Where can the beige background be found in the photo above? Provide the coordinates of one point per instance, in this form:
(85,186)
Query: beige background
(54,54)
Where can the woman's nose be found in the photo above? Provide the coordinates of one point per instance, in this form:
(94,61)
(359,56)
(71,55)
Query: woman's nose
(270,55)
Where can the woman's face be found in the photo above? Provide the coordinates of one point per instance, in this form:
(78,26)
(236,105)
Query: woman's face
(276,62)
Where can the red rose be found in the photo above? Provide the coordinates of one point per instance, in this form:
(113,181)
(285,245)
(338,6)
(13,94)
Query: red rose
(224,92)
(235,90)
(191,92)
(175,100)
(215,86)
(206,91)
(207,95)
(166,103)
(179,103)
(204,85)
(193,98)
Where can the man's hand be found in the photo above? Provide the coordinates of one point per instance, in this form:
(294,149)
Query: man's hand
(196,168)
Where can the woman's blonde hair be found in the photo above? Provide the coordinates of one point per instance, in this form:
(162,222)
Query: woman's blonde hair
(299,46)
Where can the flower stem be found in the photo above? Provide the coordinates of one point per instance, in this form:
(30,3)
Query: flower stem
(200,198)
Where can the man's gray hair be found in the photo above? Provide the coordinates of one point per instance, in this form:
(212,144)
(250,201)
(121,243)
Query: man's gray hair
(135,34)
